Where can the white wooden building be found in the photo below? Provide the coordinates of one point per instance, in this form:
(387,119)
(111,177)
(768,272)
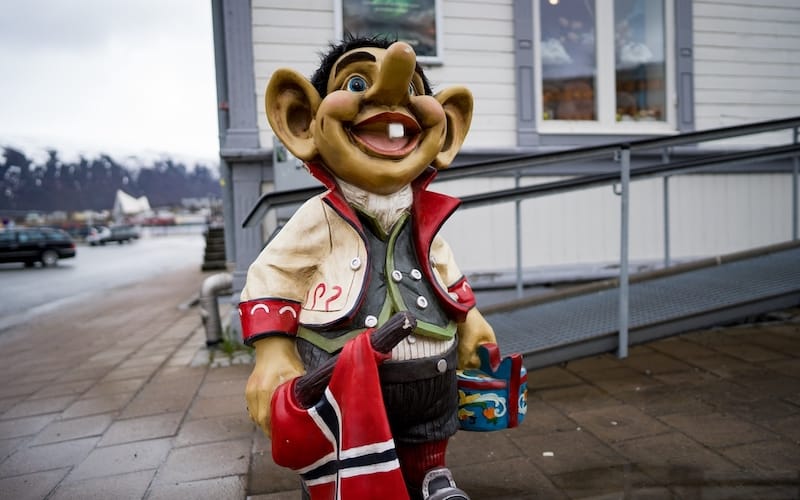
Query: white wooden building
(551,75)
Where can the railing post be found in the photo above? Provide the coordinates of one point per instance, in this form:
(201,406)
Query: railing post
(665,159)
(518,232)
(795,172)
(625,178)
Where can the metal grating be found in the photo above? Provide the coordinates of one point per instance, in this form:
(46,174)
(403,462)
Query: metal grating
(585,318)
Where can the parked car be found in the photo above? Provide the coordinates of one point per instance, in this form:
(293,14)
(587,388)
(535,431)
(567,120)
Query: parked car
(35,244)
(101,235)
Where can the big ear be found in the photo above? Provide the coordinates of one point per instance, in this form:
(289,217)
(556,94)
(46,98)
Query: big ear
(457,104)
(291,103)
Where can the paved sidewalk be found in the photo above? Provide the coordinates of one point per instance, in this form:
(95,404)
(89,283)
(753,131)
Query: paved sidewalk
(108,400)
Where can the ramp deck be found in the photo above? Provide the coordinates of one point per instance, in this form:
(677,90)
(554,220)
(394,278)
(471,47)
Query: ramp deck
(548,331)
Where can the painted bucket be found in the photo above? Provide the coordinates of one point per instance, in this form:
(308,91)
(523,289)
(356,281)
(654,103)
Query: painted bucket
(495,396)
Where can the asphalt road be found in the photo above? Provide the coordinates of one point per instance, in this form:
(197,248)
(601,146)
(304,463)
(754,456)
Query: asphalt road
(26,292)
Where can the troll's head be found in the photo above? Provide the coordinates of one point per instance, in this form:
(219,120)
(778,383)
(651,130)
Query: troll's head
(368,115)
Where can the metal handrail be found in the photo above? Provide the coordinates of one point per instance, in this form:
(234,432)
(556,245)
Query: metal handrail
(592,152)
(272,200)
(275,199)
(594,180)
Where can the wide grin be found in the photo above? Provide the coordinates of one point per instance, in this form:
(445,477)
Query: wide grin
(389,135)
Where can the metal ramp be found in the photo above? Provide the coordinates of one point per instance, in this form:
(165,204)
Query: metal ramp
(607,317)
(550,330)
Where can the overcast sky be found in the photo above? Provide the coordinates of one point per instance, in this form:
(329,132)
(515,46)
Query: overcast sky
(119,76)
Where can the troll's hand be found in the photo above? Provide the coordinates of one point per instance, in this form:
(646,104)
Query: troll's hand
(474,331)
(277,362)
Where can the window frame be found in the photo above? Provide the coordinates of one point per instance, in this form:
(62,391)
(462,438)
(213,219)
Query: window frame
(605,90)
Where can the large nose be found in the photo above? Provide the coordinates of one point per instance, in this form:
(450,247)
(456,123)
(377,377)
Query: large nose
(394,77)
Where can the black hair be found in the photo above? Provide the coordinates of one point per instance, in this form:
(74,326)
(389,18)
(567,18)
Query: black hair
(350,42)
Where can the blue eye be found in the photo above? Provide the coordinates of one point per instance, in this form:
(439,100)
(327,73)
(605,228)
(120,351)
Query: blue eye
(356,84)
(411,89)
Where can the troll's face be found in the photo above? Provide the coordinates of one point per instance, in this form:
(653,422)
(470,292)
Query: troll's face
(375,127)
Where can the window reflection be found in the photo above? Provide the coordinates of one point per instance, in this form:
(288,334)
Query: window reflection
(640,62)
(569,62)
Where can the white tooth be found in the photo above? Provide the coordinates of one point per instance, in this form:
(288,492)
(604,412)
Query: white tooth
(396,130)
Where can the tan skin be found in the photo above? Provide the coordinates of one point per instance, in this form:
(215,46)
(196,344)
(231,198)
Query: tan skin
(355,132)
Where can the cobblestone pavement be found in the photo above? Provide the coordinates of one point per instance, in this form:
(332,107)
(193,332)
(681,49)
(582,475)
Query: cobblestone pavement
(109,399)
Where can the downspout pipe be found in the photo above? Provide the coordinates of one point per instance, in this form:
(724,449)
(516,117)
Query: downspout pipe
(213,286)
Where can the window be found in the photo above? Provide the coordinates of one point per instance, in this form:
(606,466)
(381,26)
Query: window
(605,65)
(8,236)
(31,235)
(57,236)
(416,22)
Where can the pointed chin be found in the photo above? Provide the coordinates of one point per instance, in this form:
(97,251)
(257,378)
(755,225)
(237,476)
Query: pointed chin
(381,177)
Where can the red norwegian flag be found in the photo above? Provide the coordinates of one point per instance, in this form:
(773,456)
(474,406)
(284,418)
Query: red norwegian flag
(342,447)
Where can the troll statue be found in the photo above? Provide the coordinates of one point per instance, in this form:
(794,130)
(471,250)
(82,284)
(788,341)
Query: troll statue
(369,127)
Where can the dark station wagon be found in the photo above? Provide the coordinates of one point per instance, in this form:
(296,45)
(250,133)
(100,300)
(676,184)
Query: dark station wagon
(35,244)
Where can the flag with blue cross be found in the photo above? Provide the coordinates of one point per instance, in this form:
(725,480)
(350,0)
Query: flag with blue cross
(342,447)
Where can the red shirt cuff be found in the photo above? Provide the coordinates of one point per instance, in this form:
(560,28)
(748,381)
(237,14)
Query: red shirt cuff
(461,291)
(264,317)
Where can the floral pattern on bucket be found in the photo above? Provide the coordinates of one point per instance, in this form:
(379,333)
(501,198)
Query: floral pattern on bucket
(494,396)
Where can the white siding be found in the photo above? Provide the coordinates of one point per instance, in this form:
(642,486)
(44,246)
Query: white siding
(709,215)
(286,33)
(746,61)
(478,53)
(714,214)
